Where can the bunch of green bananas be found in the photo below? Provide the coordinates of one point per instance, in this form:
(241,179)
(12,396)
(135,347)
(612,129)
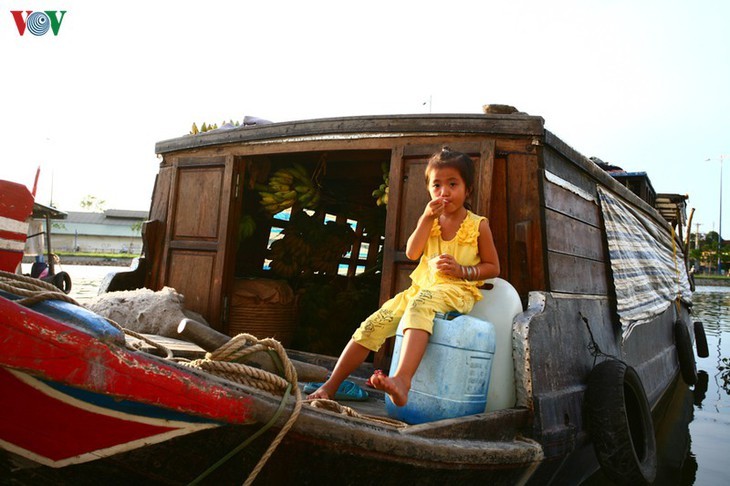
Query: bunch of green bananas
(289,255)
(286,187)
(330,243)
(308,246)
(381,193)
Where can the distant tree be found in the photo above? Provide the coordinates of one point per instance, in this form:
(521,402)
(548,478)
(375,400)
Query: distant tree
(137,226)
(710,240)
(708,250)
(91,202)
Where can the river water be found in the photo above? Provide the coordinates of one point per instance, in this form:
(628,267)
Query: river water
(693,430)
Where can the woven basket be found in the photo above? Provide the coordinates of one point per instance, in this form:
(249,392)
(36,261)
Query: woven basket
(263,319)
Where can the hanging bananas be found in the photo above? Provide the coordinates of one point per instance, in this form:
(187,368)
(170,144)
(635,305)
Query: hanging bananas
(381,193)
(287,186)
(308,246)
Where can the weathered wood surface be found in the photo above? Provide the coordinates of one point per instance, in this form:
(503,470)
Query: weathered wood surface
(392,124)
(595,174)
(194,258)
(526,264)
(203,337)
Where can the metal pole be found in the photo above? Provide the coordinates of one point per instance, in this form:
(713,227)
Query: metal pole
(719,235)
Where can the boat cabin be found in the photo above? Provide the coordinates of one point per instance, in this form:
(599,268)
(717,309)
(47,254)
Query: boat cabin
(250,253)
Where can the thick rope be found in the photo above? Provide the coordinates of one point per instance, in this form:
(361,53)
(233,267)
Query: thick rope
(333,406)
(238,347)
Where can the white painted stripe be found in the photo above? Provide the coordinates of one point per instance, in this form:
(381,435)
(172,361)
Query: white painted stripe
(559,181)
(13,225)
(11,245)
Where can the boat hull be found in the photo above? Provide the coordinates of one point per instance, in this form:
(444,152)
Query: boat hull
(80,408)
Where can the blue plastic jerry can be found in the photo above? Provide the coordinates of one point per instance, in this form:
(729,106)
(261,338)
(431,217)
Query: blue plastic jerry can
(452,379)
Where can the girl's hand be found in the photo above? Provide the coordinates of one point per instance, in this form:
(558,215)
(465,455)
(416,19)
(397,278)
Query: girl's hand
(448,265)
(435,207)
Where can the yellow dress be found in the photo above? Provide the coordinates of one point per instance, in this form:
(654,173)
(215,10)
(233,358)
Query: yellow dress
(431,291)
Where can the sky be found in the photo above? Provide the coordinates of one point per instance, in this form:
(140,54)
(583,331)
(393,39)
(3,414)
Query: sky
(640,84)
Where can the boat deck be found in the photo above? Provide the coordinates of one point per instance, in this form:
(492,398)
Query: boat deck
(503,424)
(374,405)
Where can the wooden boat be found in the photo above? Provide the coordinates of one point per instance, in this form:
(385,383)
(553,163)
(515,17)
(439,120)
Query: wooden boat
(595,344)
(17,205)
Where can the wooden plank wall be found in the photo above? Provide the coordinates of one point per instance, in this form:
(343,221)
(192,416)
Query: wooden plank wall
(197,233)
(515,215)
(153,230)
(576,250)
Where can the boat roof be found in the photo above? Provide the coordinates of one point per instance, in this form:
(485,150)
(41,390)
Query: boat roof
(356,127)
(673,207)
(43,211)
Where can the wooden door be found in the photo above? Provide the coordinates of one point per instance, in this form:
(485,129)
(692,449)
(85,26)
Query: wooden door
(407,199)
(196,237)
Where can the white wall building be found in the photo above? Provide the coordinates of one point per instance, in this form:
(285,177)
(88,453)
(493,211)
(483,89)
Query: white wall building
(113,231)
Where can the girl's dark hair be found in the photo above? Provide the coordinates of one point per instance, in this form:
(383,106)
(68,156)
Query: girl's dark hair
(451,158)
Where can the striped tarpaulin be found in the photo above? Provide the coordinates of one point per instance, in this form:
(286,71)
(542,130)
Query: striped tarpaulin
(647,264)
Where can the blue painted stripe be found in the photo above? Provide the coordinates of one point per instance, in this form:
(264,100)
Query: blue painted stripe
(127,406)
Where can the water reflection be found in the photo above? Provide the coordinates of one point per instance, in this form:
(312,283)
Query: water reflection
(710,305)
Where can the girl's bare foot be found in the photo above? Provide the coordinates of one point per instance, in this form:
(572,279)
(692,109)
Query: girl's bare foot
(320,393)
(396,389)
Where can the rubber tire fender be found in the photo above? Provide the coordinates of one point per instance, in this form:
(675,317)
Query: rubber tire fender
(61,280)
(701,340)
(685,352)
(620,424)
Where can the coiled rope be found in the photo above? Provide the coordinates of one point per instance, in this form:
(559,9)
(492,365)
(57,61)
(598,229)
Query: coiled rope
(223,362)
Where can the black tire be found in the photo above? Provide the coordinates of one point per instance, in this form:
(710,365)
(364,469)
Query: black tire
(620,424)
(685,353)
(61,280)
(701,340)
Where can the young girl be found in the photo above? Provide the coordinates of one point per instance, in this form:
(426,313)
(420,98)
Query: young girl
(457,254)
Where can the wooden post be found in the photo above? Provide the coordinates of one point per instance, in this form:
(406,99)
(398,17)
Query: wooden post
(210,340)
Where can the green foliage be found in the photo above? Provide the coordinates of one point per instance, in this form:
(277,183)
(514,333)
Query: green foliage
(91,202)
(706,253)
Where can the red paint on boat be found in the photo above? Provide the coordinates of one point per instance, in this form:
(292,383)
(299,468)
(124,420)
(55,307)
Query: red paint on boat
(48,427)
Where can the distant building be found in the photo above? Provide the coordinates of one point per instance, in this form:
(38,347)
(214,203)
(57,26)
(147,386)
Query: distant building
(113,231)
